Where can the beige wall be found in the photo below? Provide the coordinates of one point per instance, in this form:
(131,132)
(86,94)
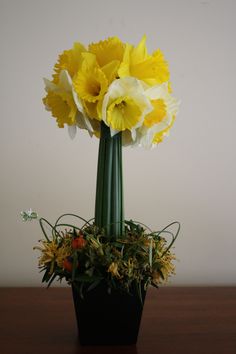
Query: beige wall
(191,177)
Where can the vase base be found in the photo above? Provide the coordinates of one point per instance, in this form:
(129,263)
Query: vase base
(105,319)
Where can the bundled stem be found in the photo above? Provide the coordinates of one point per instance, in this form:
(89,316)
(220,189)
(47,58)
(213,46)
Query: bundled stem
(109,213)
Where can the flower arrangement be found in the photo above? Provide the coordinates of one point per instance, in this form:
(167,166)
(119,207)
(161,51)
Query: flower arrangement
(113,84)
(120,94)
(85,256)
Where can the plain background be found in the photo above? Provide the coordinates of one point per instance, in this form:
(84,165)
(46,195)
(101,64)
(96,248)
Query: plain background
(190,177)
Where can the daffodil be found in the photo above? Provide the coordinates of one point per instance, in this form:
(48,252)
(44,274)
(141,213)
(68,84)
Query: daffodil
(109,54)
(64,104)
(158,122)
(70,60)
(158,137)
(108,50)
(158,113)
(90,84)
(152,69)
(125,105)
(115,82)
(60,101)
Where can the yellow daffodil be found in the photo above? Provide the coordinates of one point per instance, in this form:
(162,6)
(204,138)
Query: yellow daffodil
(90,82)
(125,105)
(152,69)
(64,104)
(107,51)
(59,100)
(109,54)
(115,82)
(70,60)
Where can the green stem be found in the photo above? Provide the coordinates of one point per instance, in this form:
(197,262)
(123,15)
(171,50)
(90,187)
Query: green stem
(109,213)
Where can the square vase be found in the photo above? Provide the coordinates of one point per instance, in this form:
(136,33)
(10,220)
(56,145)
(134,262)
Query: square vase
(108,319)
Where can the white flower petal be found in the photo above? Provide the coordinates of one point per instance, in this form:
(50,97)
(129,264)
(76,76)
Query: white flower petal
(77,101)
(72,131)
(65,81)
(64,84)
(50,86)
(133,134)
(84,123)
(157,91)
(127,138)
(127,87)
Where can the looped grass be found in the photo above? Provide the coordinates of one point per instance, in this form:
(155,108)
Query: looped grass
(85,255)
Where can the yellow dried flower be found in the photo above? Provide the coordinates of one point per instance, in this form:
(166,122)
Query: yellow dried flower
(113,269)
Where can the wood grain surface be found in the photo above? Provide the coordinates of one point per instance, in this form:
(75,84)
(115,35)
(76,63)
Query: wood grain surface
(175,320)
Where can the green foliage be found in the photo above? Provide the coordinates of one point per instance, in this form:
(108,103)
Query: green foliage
(86,256)
(109,213)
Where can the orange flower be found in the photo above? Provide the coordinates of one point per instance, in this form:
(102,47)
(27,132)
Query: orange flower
(79,242)
(67,264)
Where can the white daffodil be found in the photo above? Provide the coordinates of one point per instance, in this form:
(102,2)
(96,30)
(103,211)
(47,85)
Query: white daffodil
(65,105)
(157,123)
(125,105)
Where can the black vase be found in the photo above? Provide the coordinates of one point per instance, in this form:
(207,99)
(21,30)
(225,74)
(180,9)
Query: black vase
(108,319)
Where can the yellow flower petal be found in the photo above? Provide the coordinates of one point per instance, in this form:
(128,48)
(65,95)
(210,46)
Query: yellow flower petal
(91,108)
(123,113)
(140,53)
(161,69)
(69,60)
(159,121)
(125,105)
(110,70)
(158,113)
(113,269)
(64,104)
(90,83)
(158,137)
(152,69)
(62,107)
(107,50)
(124,69)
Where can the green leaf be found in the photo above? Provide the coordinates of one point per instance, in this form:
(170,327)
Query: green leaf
(46,276)
(109,192)
(51,280)
(94,284)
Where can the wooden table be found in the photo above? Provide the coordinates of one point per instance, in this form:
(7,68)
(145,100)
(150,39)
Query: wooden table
(175,320)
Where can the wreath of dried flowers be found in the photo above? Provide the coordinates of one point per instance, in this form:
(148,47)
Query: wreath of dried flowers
(85,256)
